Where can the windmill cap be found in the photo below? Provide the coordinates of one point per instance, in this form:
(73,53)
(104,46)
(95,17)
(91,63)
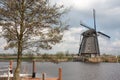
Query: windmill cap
(89,32)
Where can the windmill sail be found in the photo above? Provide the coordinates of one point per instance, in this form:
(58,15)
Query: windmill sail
(94,19)
(104,34)
(82,24)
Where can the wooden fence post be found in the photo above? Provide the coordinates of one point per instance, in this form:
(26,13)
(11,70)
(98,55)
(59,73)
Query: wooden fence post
(43,76)
(34,70)
(11,66)
(60,73)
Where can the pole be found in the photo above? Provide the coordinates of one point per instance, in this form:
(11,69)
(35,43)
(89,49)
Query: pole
(60,73)
(11,66)
(34,70)
(43,76)
(8,73)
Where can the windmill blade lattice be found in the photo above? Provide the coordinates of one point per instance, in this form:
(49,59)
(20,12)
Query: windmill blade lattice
(82,24)
(103,34)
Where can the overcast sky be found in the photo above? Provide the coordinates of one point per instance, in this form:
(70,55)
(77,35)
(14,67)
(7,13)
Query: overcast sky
(107,21)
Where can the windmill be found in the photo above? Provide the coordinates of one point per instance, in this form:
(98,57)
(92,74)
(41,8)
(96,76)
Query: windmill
(89,45)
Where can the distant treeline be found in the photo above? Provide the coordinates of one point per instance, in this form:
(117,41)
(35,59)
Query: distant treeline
(59,56)
(66,53)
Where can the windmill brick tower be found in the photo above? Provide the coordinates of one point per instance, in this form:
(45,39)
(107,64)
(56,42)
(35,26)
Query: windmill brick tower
(89,45)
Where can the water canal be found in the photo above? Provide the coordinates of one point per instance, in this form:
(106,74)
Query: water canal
(74,70)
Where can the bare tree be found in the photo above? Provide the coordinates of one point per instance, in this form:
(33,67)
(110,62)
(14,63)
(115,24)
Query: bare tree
(30,24)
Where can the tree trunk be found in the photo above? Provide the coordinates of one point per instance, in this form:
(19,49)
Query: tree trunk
(17,70)
(18,66)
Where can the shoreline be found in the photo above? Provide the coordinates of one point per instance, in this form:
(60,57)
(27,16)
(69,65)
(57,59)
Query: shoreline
(59,61)
(55,59)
